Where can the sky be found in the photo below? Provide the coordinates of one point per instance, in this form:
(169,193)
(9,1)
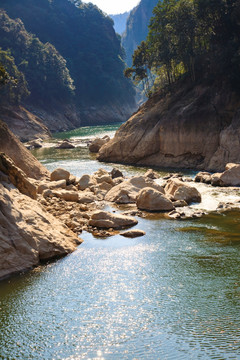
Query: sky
(114,6)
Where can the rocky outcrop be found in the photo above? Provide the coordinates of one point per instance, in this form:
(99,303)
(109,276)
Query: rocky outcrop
(29,234)
(17,177)
(10,145)
(193,128)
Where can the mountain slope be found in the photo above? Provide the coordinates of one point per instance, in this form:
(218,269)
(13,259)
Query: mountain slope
(84,42)
(137,27)
(120,22)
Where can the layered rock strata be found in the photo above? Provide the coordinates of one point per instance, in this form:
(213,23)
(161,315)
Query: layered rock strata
(193,128)
(10,145)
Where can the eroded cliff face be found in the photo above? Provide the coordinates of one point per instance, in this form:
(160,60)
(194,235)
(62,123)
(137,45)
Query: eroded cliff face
(194,128)
(10,145)
(25,125)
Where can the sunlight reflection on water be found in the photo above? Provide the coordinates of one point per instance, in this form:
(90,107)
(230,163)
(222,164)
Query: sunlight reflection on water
(172,294)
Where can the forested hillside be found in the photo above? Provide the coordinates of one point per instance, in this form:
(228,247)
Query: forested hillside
(137,27)
(65,54)
(39,73)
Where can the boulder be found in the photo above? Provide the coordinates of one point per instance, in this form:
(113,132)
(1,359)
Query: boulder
(86,181)
(104,178)
(182,191)
(44,185)
(72,180)
(231,176)
(133,233)
(65,145)
(28,234)
(100,172)
(204,177)
(127,191)
(151,174)
(116,173)
(180,203)
(86,197)
(152,200)
(105,219)
(216,180)
(17,176)
(97,143)
(60,174)
(62,194)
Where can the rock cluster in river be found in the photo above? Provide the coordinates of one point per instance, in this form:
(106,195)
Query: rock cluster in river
(42,214)
(229,177)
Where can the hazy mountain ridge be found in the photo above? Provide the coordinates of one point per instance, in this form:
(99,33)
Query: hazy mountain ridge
(120,22)
(137,27)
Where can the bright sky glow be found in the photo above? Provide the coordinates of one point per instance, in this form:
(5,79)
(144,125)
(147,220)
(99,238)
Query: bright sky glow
(114,6)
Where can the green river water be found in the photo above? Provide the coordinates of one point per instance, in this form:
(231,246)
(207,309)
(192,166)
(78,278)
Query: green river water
(172,294)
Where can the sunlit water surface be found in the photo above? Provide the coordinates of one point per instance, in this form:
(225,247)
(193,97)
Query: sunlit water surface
(172,294)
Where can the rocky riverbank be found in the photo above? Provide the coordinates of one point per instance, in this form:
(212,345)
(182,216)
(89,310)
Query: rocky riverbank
(28,233)
(43,214)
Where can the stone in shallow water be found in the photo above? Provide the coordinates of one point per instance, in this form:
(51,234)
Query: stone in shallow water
(152,200)
(133,233)
(105,219)
(65,145)
(182,191)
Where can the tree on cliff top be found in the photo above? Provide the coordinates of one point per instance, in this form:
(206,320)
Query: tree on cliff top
(195,38)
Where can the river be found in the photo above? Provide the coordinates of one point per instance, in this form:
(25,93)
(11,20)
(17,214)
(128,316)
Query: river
(172,294)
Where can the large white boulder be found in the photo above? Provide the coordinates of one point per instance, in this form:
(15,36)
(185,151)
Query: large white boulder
(60,174)
(231,176)
(179,190)
(152,200)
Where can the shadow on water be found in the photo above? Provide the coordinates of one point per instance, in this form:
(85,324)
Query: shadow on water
(223,229)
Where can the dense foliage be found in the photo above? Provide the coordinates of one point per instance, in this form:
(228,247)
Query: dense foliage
(86,40)
(43,67)
(195,38)
(15,85)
